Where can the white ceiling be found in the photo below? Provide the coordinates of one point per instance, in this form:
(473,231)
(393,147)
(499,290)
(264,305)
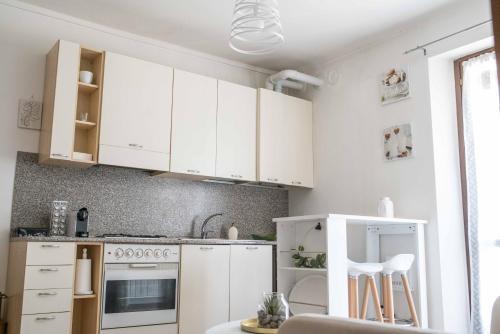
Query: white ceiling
(315,30)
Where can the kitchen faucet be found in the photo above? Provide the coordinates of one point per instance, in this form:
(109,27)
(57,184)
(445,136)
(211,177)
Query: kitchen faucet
(204,233)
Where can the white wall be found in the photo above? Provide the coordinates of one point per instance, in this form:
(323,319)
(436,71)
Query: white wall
(351,174)
(27,33)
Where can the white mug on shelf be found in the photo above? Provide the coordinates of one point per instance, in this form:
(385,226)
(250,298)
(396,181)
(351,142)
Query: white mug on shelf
(386,208)
(86,77)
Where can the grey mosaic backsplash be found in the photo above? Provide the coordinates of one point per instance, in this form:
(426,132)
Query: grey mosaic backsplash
(122,200)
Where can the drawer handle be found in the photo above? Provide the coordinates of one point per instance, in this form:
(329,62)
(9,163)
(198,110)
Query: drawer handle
(47,293)
(195,171)
(143,265)
(135,145)
(50,317)
(50,246)
(46,270)
(59,155)
(252,248)
(272,179)
(206,248)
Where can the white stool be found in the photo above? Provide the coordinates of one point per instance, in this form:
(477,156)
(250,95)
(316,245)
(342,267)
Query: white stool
(398,264)
(369,270)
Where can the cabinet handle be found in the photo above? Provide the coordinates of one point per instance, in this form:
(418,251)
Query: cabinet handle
(195,171)
(272,179)
(206,248)
(252,248)
(59,155)
(50,317)
(236,176)
(296,182)
(135,145)
(47,270)
(50,246)
(47,293)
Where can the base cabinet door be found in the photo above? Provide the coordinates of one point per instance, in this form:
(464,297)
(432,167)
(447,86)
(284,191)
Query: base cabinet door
(251,275)
(204,287)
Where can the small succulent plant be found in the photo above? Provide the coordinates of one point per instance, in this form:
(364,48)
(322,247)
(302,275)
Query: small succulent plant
(273,311)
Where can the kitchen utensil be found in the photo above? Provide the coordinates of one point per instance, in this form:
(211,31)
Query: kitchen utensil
(31,231)
(252,326)
(309,295)
(83,275)
(86,77)
(58,218)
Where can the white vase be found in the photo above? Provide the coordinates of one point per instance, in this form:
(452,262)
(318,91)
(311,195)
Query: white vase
(232,233)
(386,208)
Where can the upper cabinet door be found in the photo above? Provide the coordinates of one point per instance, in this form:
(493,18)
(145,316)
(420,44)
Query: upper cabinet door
(136,113)
(236,132)
(61,89)
(285,139)
(194,128)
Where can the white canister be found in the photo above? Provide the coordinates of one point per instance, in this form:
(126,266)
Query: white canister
(83,275)
(386,208)
(86,77)
(232,233)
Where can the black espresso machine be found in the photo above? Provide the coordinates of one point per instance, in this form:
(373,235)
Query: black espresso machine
(78,224)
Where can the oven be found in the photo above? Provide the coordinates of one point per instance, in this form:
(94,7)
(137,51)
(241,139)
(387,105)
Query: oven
(140,286)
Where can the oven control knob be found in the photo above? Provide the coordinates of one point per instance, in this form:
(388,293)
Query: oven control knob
(166,253)
(129,252)
(158,253)
(118,253)
(148,253)
(139,252)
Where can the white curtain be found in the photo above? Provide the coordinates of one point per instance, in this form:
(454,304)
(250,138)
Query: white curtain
(482,145)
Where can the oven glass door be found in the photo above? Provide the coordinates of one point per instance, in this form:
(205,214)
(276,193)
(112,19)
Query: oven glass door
(139,294)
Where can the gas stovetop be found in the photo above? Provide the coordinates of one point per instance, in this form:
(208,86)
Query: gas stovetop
(123,235)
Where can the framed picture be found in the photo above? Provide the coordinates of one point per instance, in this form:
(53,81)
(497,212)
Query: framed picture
(29,114)
(398,142)
(395,85)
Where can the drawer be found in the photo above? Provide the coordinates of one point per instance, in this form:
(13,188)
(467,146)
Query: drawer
(44,301)
(48,277)
(43,253)
(49,323)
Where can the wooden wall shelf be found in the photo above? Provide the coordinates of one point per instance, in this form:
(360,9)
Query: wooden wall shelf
(84,296)
(87,88)
(85,125)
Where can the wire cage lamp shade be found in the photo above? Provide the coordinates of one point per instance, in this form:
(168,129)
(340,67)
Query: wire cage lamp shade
(256,27)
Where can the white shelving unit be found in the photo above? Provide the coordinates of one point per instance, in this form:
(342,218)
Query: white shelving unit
(385,237)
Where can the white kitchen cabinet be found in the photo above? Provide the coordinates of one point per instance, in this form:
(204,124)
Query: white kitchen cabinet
(204,288)
(251,272)
(136,113)
(285,151)
(236,132)
(194,124)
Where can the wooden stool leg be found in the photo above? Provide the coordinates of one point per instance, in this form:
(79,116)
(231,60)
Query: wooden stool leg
(356,297)
(409,297)
(376,300)
(366,294)
(351,299)
(390,299)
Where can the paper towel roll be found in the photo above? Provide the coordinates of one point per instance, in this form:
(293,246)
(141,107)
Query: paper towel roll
(83,277)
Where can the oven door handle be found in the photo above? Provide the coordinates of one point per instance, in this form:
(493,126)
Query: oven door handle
(143,265)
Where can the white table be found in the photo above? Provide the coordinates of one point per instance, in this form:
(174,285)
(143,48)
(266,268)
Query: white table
(232,327)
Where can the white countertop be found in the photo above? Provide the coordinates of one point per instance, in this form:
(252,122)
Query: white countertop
(351,219)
